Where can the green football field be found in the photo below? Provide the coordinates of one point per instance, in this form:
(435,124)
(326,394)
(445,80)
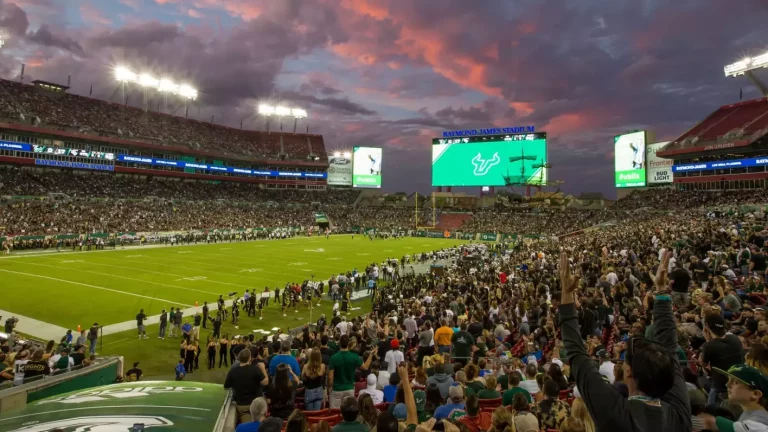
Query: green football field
(66,289)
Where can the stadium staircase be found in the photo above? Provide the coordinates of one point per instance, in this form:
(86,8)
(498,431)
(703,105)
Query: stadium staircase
(452,221)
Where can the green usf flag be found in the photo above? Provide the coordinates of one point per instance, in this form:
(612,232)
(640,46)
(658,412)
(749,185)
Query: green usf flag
(321,218)
(164,405)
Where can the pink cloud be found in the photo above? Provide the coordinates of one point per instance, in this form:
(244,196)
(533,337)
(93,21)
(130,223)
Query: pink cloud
(194,13)
(93,14)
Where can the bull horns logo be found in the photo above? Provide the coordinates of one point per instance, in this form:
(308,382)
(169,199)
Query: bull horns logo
(483,166)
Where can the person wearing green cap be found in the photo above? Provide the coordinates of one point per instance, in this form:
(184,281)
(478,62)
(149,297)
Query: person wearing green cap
(748,388)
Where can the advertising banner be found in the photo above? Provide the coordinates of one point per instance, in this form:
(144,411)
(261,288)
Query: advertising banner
(629,159)
(366,167)
(11,145)
(339,171)
(723,164)
(488,236)
(218,168)
(81,165)
(658,170)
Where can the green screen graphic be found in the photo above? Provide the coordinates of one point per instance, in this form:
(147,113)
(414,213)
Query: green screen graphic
(629,157)
(485,160)
(158,405)
(366,167)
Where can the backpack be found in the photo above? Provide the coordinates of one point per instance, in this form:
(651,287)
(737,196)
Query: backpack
(62,362)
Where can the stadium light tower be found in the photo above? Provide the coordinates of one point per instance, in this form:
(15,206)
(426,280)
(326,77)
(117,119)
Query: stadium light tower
(280,111)
(747,66)
(165,85)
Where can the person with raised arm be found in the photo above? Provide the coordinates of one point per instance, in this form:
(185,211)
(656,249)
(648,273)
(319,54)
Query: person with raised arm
(658,399)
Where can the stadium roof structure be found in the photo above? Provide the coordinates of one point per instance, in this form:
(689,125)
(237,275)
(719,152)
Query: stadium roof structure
(730,126)
(50,86)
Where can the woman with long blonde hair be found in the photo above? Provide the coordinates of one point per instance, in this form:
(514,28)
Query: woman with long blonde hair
(579,411)
(313,376)
(502,421)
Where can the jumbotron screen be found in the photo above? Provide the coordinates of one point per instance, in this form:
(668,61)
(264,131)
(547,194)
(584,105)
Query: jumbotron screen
(366,167)
(629,163)
(485,160)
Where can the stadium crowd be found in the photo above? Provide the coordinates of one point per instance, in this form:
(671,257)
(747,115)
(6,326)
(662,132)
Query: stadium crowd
(92,116)
(655,323)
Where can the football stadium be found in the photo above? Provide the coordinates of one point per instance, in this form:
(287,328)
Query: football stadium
(161,271)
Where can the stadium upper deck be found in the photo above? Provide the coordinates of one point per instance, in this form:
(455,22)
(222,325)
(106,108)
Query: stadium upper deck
(89,118)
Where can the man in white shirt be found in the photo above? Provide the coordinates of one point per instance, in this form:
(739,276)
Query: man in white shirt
(530,383)
(376,395)
(606,366)
(342,326)
(394,356)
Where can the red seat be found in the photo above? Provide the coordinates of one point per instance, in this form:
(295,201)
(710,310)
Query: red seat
(359,386)
(382,407)
(335,411)
(565,394)
(318,413)
(332,420)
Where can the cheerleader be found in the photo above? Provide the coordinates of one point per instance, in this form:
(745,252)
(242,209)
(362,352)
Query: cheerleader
(235,312)
(261,309)
(345,302)
(223,348)
(211,353)
(285,300)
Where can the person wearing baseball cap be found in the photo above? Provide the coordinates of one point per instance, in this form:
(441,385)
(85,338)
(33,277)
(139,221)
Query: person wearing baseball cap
(394,356)
(721,351)
(606,365)
(455,401)
(748,388)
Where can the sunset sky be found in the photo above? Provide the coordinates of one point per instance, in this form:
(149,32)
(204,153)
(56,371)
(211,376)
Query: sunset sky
(396,73)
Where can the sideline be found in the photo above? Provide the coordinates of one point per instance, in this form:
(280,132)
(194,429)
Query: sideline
(34,253)
(36,328)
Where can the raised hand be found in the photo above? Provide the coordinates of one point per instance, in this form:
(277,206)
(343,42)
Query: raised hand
(660,281)
(568,281)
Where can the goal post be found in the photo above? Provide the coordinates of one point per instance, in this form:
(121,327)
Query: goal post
(417,214)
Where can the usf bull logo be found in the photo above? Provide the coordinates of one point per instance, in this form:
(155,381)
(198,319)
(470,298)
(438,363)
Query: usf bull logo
(98,424)
(483,166)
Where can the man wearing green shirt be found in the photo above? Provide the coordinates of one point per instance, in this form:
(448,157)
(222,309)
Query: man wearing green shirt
(509,396)
(341,372)
(462,342)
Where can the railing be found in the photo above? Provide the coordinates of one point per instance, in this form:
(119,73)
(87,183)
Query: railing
(101,372)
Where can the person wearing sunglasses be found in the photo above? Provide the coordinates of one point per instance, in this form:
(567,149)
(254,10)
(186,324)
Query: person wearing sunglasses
(658,399)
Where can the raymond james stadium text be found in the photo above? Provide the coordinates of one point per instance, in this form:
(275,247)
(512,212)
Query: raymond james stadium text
(489,131)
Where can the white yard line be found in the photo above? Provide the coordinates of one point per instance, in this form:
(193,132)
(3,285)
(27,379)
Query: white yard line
(92,286)
(123,277)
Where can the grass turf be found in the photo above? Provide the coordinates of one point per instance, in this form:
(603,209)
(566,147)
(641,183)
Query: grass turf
(110,287)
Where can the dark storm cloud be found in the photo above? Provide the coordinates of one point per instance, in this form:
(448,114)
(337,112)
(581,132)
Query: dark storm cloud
(583,71)
(140,36)
(44,36)
(13,20)
(315,85)
(337,104)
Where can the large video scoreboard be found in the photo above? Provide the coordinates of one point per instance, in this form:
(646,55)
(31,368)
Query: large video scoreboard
(485,160)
